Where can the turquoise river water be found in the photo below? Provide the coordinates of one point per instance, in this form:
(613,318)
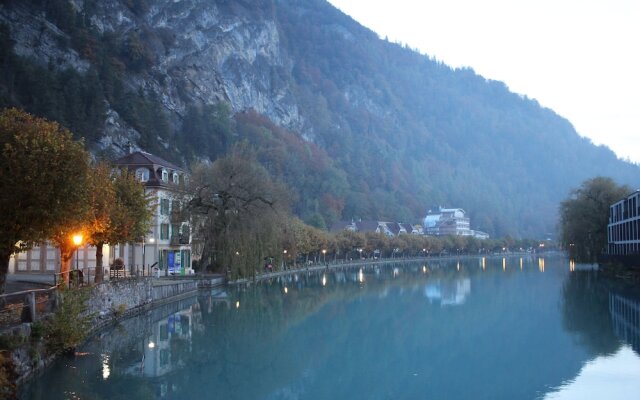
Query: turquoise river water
(478,328)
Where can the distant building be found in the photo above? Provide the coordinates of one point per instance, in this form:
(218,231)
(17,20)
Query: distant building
(623,230)
(447,221)
(450,221)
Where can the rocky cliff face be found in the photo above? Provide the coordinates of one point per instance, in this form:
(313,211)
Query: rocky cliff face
(374,130)
(196,51)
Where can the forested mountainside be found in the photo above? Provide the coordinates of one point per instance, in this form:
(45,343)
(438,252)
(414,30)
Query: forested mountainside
(358,127)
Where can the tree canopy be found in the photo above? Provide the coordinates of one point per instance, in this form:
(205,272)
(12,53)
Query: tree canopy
(43,186)
(584,216)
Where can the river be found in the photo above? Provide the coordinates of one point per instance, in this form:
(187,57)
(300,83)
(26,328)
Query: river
(483,328)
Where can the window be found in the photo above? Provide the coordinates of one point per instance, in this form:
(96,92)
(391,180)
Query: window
(165,176)
(142,174)
(176,179)
(175,231)
(164,231)
(164,206)
(175,206)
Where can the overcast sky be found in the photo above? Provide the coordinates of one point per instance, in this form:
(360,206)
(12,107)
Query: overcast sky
(580,58)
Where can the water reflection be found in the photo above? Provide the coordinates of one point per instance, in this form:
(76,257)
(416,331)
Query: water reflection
(625,316)
(448,292)
(468,328)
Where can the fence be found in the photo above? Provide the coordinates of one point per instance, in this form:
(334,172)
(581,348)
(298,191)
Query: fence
(26,306)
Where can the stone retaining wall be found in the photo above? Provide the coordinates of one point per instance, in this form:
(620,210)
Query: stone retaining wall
(110,302)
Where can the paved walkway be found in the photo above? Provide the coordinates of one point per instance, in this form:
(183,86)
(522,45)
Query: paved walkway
(20,282)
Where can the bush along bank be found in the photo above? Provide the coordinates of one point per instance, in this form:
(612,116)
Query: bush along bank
(80,312)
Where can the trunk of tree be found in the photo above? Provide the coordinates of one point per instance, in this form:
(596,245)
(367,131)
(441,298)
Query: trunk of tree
(99,270)
(65,263)
(5,256)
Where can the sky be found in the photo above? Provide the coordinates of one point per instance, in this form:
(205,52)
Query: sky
(581,58)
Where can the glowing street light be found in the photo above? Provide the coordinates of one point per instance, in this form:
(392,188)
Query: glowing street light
(77,241)
(324,255)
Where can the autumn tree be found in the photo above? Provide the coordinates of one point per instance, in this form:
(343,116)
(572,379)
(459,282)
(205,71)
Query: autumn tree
(348,241)
(238,210)
(120,210)
(43,174)
(584,216)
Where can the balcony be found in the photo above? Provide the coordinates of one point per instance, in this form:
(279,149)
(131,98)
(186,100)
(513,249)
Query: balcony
(177,240)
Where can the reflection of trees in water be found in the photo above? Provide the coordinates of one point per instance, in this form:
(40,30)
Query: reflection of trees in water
(585,310)
(327,324)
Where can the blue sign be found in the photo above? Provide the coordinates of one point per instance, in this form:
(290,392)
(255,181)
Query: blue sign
(171,262)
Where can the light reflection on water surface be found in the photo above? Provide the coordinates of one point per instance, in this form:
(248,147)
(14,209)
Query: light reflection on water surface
(486,328)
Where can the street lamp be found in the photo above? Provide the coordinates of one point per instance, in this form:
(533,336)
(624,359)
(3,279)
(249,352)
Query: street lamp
(144,245)
(77,241)
(324,256)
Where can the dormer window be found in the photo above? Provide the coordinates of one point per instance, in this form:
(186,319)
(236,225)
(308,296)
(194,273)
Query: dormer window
(142,174)
(176,179)
(165,176)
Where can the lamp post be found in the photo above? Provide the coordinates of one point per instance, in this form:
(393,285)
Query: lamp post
(77,241)
(144,246)
(324,256)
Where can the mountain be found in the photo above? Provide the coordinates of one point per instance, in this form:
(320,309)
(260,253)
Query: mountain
(357,126)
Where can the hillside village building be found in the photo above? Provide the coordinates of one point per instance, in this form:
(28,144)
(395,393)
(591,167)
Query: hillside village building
(387,228)
(167,245)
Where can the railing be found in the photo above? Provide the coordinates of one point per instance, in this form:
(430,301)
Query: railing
(179,239)
(26,306)
(77,277)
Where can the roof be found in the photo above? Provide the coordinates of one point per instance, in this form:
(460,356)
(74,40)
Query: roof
(340,226)
(367,226)
(144,158)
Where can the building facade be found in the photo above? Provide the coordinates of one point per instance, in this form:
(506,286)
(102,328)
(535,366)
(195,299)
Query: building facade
(450,221)
(623,230)
(167,245)
(447,221)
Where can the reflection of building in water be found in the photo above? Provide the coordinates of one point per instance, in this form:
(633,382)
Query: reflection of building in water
(169,335)
(625,315)
(449,292)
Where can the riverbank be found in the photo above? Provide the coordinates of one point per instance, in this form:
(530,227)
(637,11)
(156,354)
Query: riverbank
(338,264)
(25,352)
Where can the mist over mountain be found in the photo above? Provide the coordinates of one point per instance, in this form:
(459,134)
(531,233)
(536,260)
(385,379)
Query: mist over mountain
(357,126)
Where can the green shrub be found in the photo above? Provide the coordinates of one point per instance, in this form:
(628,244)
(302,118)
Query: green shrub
(10,342)
(7,377)
(70,323)
(37,331)
(119,310)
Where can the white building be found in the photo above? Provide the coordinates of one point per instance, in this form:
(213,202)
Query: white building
(450,221)
(447,221)
(167,244)
(623,230)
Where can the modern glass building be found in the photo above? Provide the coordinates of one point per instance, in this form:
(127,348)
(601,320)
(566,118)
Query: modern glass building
(623,230)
